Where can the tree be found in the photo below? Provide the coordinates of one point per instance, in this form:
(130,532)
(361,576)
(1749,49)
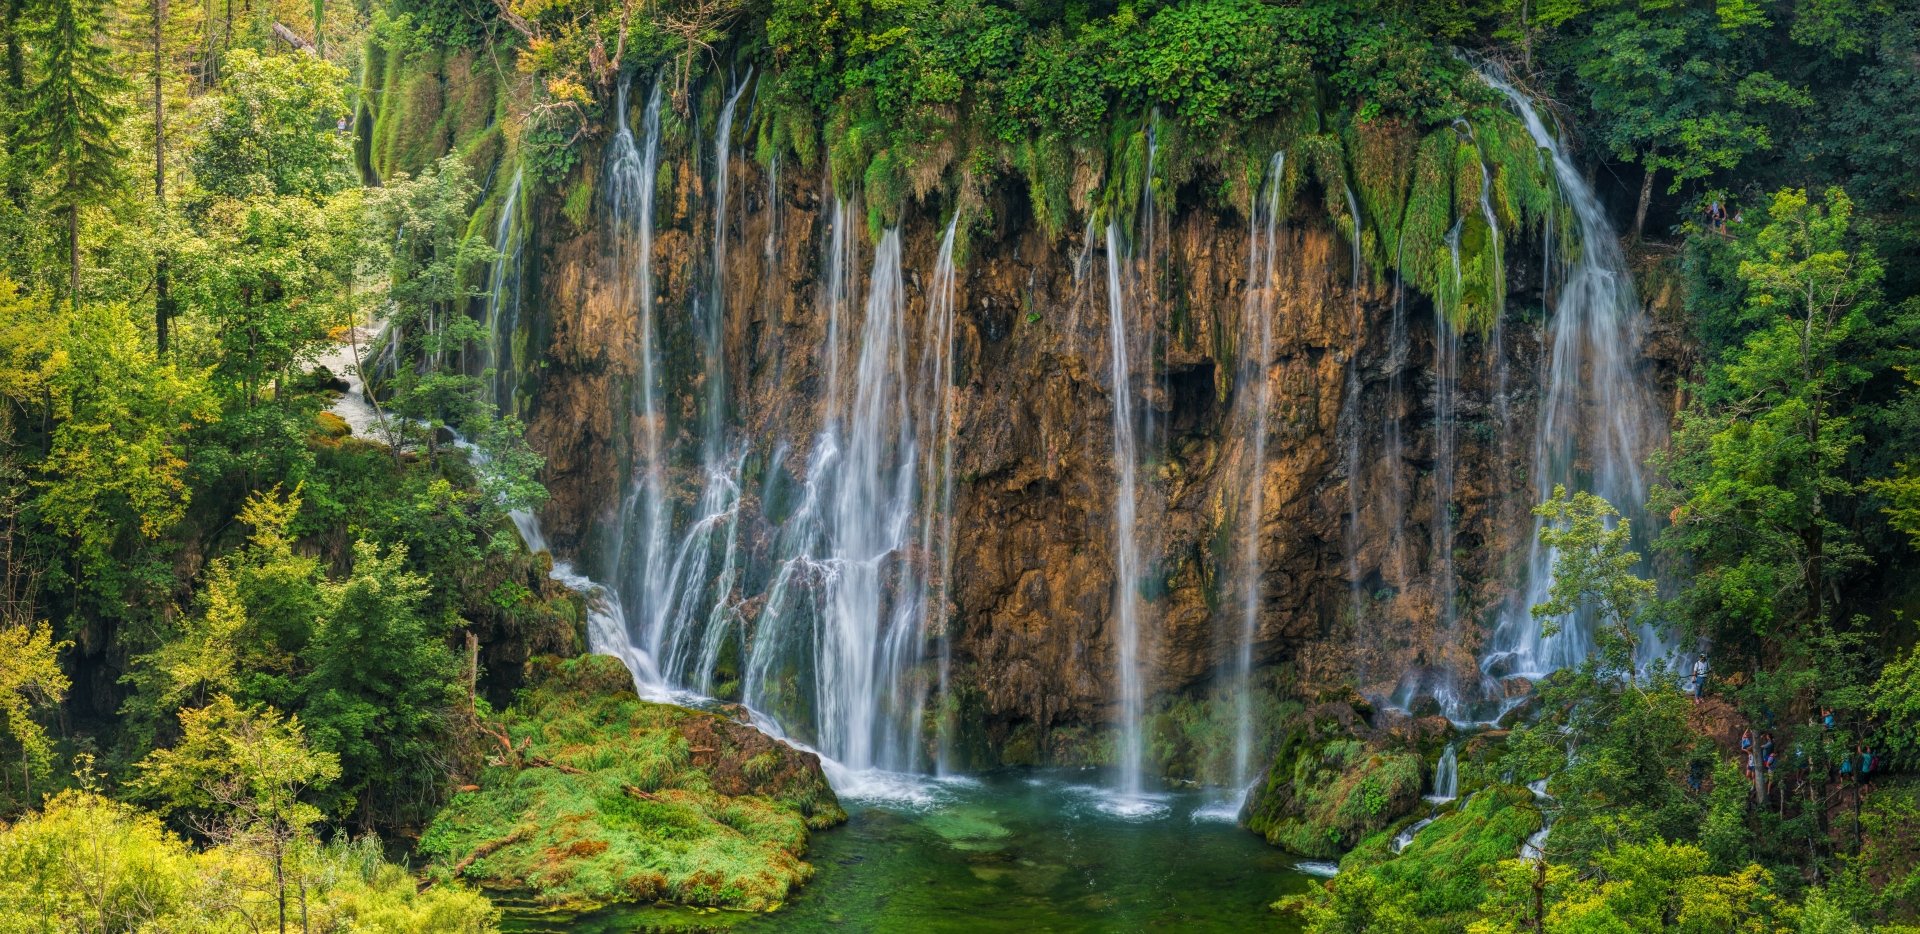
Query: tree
(1593,568)
(30,677)
(270,129)
(382,683)
(1766,447)
(116,466)
(239,774)
(70,116)
(1673,86)
(429,286)
(257,611)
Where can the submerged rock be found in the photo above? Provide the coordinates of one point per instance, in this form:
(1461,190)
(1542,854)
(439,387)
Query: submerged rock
(606,798)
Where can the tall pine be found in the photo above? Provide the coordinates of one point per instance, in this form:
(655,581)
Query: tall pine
(70,115)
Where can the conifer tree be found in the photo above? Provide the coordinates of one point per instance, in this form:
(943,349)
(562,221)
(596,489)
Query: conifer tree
(70,114)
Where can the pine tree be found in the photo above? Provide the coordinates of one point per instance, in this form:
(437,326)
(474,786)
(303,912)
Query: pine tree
(70,115)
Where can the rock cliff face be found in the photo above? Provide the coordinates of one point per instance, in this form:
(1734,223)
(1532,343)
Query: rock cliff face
(1352,582)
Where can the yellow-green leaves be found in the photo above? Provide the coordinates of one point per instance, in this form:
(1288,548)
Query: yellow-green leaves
(30,679)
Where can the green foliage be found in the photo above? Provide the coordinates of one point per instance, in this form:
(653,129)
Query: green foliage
(1768,444)
(270,130)
(86,863)
(113,472)
(243,772)
(382,682)
(1675,89)
(67,121)
(1641,887)
(30,678)
(1630,747)
(605,799)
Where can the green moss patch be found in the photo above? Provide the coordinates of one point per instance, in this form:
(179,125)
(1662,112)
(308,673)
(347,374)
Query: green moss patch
(606,798)
(1442,870)
(1321,798)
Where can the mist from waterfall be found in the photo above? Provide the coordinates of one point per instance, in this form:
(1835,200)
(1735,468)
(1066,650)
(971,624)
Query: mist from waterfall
(1596,419)
(1256,358)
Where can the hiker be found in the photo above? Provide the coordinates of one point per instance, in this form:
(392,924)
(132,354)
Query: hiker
(1716,216)
(1766,745)
(1699,685)
(1826,718)
(1746,740)
(342,125)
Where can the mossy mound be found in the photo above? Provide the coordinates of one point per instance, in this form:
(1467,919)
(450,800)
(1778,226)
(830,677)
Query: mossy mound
(1441,871)
(1329,787)
(607,798)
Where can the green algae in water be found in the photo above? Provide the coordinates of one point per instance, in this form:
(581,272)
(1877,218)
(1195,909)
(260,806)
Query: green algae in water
(1008,852)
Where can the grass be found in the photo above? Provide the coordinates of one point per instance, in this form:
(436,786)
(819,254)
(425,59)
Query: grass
(613,799)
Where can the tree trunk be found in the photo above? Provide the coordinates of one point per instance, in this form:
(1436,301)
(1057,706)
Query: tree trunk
(1540,892)
(73,255)
(1646,198)
(162,301)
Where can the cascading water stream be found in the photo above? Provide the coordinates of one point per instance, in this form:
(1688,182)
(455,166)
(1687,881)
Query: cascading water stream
(847,614)
(642,556)
(1349,419)
(502,313)
(1595,421)
(1262,251)
(1446,777)
(936,517)
(1126,570)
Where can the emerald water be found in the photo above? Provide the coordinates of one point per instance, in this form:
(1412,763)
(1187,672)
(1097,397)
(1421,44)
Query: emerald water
(1014,851)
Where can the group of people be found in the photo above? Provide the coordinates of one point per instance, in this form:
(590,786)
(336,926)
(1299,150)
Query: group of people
(1758,754)
(1717,219)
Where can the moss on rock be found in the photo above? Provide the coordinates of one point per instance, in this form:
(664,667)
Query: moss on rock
(1441,871)
(607,798)
(1325,793)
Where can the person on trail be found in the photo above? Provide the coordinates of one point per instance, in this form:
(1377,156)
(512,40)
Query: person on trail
(1699,685)
(1746,740)
(342,125)
(1766,745)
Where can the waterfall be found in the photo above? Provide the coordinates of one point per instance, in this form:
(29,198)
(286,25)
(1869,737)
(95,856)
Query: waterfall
(1126,569)
(631,171)
(846,618)
(1349,419)
(936,517)
(1393,501)
(1595,421)
(1404,838)
(502,313)
(1256,358)
(1446,376)
(1446,777)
